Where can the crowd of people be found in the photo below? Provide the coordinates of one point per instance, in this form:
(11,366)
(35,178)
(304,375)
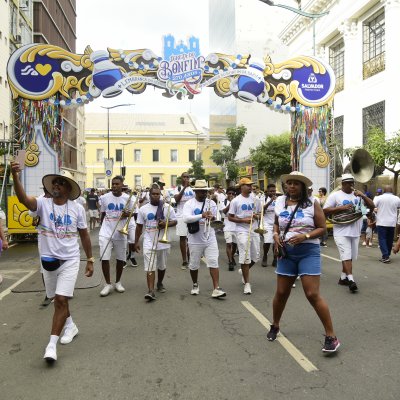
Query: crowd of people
(290,225)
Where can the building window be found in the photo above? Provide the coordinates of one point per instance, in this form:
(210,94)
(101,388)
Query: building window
(99,155)
(173,180)
(182,120)
(138,180)
(156,155)
(373,117)
(155,179)
(137,154)
(336,60)
(174,155)
(99,182)
(118,155)
(192,155)
(374,45)
(338,141)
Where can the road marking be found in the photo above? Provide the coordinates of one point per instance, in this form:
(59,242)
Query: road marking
(8,291)
(12,245)
(299,357)
(331,258)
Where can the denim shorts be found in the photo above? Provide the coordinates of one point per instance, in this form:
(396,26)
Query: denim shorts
(302,259)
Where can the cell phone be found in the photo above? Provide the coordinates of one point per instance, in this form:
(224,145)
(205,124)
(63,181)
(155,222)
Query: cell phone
(20,158)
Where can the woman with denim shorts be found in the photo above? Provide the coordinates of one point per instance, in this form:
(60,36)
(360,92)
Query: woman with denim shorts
(301,253)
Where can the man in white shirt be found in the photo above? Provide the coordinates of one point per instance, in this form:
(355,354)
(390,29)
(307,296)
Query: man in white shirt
(387,205)
(229,229)
(62,220)
(347,235)
(202,242)
(153,216)
(243,212)
(183,193)
(269,219)
(114,211)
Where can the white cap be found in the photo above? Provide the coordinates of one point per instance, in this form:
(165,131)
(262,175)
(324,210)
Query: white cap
(347,178)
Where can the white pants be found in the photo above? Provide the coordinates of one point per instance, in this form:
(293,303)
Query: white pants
(181,227)
(119,247)
(347,246)
(268,238)
(155,260)
(209,251)
(252,247)
(62,280)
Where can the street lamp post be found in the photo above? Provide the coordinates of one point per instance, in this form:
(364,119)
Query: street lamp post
(197,143)
(108,128)
(313,16)
(123,156)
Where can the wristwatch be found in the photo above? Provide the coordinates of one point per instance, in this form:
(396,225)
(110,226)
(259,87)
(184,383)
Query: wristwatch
(91,259)
(308,236)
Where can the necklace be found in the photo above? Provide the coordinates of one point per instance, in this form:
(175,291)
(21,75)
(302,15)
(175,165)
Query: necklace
(296,199)
(60,222)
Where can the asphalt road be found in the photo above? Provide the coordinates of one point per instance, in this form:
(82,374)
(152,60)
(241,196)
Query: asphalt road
(195,347)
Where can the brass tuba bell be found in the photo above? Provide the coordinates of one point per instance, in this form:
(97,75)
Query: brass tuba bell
(362,166)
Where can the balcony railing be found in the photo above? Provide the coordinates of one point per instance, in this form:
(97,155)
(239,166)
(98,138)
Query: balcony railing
(374,66)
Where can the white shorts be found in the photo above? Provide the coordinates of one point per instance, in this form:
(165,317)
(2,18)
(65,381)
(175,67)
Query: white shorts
(62,280)
(253,252)
(159,261)
(230,237)
(181,227)
(119,247)
(94,214)
(209,251)
(347,246)
(268,238)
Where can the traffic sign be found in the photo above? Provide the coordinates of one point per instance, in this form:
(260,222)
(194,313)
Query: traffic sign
(108,172)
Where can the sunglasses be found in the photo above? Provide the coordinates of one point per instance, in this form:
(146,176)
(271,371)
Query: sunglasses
(59,182)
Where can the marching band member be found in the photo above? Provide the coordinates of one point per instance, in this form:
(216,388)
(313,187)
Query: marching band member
(347,236)
(114,209)
(153,217)
(242,211)
(202,240)
(269,218)
(183,193)
(229,229)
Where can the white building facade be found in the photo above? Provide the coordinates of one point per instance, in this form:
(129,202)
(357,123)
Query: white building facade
(360,40)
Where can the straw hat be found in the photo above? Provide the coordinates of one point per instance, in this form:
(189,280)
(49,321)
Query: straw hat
(245,181)
(200,184)
(296,176)
(47,182)
(347,178)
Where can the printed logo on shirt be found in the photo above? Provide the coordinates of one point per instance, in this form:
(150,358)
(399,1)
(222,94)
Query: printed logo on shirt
(197,211)
(286,214)
(115,207)
(247,206)
(150,216)
(345,202)
(61,220)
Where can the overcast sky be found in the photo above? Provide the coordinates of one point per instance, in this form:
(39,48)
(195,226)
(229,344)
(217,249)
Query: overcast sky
(134,24)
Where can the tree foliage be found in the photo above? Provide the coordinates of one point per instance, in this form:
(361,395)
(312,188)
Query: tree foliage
(226,156)
(197,170)
(272,155)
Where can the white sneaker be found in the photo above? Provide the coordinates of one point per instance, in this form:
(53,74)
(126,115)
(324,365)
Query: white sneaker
(119,288)
(364,243)
(195,289)
(241,273)
(294,285)
(218,292)
(247,288)
(69,333)
(50,354)
(107,289)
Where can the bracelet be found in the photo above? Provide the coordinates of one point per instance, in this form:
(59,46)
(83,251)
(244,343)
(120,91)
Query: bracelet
(91,259)
(275,234)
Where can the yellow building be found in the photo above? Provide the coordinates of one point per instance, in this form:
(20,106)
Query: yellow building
(150,147)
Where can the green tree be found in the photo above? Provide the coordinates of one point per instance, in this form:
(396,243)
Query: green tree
(197,169)
(226,156)
(272,155)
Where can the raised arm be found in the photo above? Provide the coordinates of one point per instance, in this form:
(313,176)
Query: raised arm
(28,201)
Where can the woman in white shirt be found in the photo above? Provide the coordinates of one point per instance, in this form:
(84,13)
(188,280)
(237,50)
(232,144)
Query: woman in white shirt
(299,222)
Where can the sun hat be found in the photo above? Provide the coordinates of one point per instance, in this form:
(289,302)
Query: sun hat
(296,176)
(347,178)
(245,181)
(200,184)
(47,182)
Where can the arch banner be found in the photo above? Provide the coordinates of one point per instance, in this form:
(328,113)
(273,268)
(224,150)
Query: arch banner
(47,72)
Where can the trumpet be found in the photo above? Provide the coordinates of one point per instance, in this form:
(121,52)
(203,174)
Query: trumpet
(116,225)
(164,239)
(217,223)
(261,229)
(207,223)
(124,230)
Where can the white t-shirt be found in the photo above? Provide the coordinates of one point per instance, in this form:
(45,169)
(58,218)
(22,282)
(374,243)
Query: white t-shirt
(113,206)
(269,213)
(58,228)
(341,198)
(81,200)
(187,195)
(192,213)
(147,218)
(229,225)
(387,205)
(302,222)
(243,207)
